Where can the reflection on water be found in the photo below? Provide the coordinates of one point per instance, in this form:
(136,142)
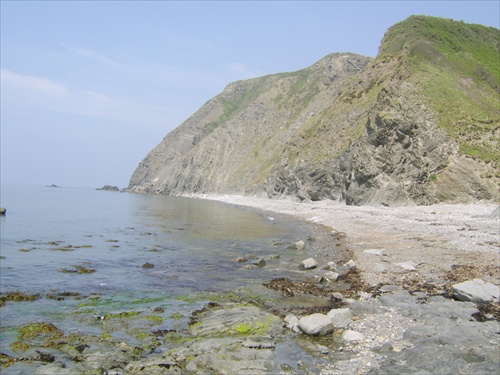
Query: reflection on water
(136,247)
(209,220)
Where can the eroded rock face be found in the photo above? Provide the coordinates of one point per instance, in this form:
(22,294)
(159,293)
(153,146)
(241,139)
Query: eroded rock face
(348,128)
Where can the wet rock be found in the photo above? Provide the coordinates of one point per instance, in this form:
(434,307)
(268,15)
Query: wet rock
(353,336)
(476,291)
(153,365)
(308,263)
(237,320)
(299,245)
(316,325)
(148,265)
(55,369)
(260,262)
(3,211)
(229,356)
(340,317)
(314,279)
(240,259)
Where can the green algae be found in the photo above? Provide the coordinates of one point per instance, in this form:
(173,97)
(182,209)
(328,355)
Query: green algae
(79,269)
(154,318)
(40,334)
(17,296)
(124,314)
(28,249)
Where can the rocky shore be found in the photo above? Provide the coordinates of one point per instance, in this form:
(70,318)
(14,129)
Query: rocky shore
(377,290)
(407,311)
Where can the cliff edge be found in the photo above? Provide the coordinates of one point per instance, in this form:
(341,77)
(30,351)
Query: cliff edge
(419,124)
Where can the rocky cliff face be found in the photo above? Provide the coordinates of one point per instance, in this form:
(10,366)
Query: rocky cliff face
(350,128)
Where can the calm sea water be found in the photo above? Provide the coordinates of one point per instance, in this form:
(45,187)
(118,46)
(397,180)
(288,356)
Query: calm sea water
(49,233)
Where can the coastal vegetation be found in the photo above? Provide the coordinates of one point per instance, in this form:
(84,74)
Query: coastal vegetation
(419,124)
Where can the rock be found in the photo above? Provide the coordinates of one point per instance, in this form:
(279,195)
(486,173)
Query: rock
(353,336)
(109,188)
(240,259)
(340,317)
(350,264)
(300,245)
(316,325)
(378,268)
(495,214)
(154,364)
(309,263)
(314,279)
(292,322)
(54,369)
(374,252)
(331,276)
(331,265)
(260,262)
(408,266)
(390,288)
(476,291)
(3,211)
(148,265)
(337,296)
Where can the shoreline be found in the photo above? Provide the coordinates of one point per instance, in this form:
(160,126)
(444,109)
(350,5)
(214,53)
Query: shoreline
(396,290)
(387,242)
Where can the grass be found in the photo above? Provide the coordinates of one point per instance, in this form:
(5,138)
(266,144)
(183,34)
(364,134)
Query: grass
(457,67)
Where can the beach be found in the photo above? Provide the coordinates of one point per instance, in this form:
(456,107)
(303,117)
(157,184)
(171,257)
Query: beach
(430,239)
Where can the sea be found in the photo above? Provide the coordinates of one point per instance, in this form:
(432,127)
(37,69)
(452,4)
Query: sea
(129,252)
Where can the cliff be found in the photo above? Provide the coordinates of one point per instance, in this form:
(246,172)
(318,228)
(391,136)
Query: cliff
(419,124)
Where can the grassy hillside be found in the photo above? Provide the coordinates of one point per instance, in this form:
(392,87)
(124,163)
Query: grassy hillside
(457,66)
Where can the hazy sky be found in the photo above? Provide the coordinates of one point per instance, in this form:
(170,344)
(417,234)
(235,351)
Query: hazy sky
(89,88)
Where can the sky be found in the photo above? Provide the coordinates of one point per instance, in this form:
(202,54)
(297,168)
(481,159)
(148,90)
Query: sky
(88,88)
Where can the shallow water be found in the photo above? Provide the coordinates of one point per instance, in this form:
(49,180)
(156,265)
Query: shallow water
(189,245)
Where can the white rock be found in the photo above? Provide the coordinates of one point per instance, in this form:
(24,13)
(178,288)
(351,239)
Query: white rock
(340,317)
(477,291)
(374,252)
(292,322)
(409,265)
(309,263)
(316,324)
(331,276)
(300,245)
(350,264)
(351,336)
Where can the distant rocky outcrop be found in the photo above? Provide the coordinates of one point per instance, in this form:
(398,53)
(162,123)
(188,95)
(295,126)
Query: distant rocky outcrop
(109,188)
(419,124)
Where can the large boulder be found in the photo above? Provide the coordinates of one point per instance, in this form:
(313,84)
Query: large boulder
(477,291)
